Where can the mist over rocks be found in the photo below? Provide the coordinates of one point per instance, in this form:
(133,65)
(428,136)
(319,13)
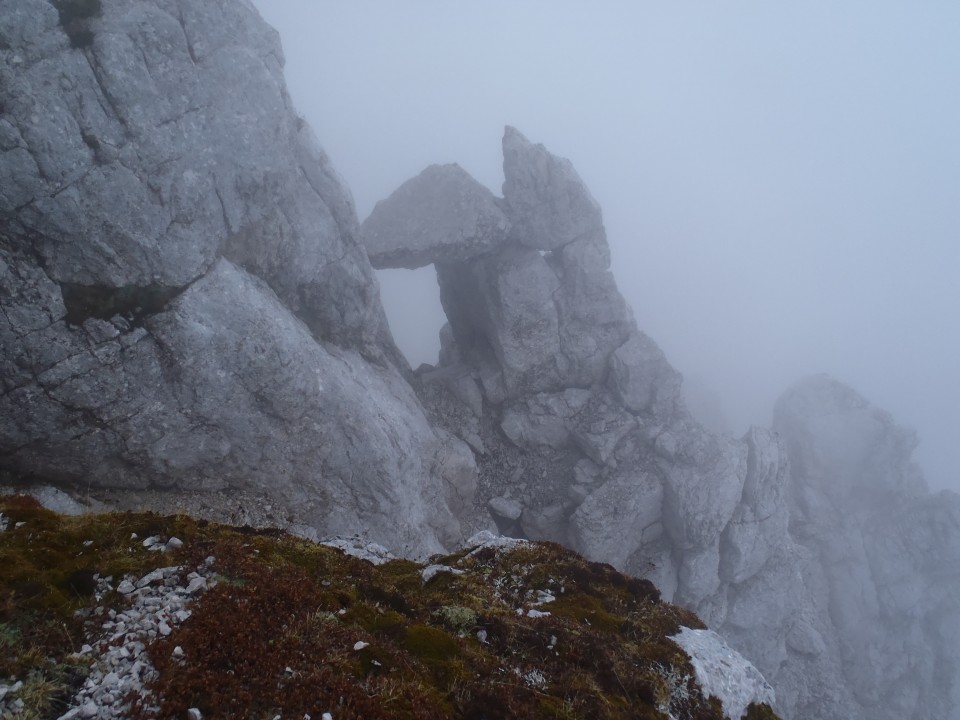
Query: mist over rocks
(189,317)
(190,321)
(884,568)
(780,540)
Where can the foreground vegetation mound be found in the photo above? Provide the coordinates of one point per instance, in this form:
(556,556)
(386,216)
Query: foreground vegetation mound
(292,628)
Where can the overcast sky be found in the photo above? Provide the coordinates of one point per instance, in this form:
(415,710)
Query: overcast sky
(780,181)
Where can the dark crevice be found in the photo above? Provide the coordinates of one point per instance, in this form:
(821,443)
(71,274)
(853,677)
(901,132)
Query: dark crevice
(75,18)
(132,302)
(91,141)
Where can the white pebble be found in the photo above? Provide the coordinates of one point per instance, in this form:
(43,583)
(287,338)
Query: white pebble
(151,577)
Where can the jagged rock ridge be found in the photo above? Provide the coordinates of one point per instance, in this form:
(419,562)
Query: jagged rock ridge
(582,437)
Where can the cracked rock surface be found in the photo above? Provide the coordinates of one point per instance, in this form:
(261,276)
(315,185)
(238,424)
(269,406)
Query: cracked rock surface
(185,306)
(189,322)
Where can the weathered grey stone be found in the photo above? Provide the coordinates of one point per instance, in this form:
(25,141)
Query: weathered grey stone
(600,428)
(704,477)
(859,448)
(454,400)
(186,309)
(506,301)
(698,574)
(548,203)
(882,560)
(758,526)
(228,389)
(586,472)
(134,164)
(803,638)
(546,522)
(724,673)
(544,418)
(619,517)
(186,306)
(506,508)
(442,215)
(594,318)
(643,380)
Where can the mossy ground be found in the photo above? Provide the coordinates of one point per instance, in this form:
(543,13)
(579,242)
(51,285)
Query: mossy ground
(294,627)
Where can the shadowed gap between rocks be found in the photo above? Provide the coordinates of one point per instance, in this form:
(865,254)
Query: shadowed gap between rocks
(132,302)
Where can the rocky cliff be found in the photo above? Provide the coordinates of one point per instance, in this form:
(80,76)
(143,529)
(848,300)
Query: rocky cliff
(813,547)
(187,308)
(190,321)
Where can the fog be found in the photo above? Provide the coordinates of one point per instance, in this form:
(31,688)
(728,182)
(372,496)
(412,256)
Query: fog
(780,182)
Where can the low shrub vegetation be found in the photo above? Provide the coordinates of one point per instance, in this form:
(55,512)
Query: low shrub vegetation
(293,628)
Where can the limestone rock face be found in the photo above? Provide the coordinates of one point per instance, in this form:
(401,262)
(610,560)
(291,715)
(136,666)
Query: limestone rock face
(187,308)
(584,434)
(885,555)
(165,143)
(548,202)
(810,548)
(442,215)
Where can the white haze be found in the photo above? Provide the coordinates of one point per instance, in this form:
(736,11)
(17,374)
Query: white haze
(780,181)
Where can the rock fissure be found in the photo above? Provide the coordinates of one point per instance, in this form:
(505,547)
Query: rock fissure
(113,109)
(75,17)
(132,302)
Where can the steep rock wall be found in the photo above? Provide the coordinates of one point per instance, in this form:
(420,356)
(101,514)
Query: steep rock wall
(186,306)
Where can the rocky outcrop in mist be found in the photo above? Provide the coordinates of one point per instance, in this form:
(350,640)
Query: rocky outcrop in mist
(187,311)
(792,542)
(189,321)
(881,559)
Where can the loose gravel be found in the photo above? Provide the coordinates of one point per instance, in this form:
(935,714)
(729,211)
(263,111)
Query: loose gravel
(120,668)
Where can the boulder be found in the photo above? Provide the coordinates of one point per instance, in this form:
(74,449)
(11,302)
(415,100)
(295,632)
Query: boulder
(548,203)
(643,380)
(620,517)
(441,215)
(544,418)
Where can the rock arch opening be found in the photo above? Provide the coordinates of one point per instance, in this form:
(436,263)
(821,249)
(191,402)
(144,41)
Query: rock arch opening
(411,301)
